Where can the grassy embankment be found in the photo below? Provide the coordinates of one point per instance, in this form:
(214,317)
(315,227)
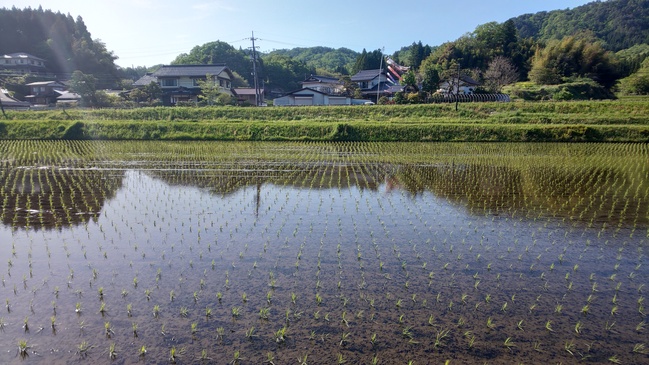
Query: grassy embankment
(603,121)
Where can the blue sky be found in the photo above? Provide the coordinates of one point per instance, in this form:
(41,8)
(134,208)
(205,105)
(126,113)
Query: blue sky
(149,32)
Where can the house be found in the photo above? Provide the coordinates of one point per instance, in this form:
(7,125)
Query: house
(465,86)
(324,84)
(373,84)
(22,63)
(306,96)
(8,102)
(246,95)
(67,98)
(44,92)
(180,83)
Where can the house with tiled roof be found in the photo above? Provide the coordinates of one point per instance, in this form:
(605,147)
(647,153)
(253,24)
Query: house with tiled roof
(22,63)
(44,92)
(180,83)
(325,84)
(8,102)
(373,84)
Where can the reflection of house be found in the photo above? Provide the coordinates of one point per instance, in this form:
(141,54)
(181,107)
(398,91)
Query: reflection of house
(246,95)
(180,83)
(22,63)
(306,96)
(466,86)
(373,83)
(323,84)
(44,92)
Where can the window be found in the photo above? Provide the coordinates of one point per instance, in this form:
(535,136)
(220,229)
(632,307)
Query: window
(221,83)
(195,82)
(169,82)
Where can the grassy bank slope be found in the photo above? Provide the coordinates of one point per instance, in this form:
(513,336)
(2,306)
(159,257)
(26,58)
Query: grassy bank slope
(616,121)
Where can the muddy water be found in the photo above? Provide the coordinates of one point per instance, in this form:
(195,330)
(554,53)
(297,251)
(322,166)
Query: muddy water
(490,253)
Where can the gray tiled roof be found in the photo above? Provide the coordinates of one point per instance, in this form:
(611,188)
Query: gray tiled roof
(145,80)
(366,75)
(189,70)
(324,79)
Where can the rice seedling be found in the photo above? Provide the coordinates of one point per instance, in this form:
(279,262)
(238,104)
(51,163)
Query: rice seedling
(83,348)
(280,335)
(112,352)
(23,348)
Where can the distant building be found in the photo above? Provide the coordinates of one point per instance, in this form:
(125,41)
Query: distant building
(324,84)
(44,92)
(22,63)
(373,84)
(10,103)
(465,86)
(180,83)
(246,95)
(306,96)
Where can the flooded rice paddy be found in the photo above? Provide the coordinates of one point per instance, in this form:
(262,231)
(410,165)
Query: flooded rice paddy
(316,253)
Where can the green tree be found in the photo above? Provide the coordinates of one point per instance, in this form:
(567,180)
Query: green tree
(210,90)
(284,73)
(430,76)
(574,57)
(217,52)
(409,79)
(85,86)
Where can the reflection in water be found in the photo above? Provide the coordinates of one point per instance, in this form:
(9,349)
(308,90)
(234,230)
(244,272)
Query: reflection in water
(479,253)
(589,188)
(50,197)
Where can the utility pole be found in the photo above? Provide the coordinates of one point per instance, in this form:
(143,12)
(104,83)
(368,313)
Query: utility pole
(457,90)
(254,70)
(378,87)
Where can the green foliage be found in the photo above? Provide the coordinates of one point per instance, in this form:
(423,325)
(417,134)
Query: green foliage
(631,59)
(637,83)
(210,89)
(573,57)
(619,23)
(413,55)
(555,121)
(216,52)
(367,61)
(582,89)
(284,73)
(85,86)
(329,60)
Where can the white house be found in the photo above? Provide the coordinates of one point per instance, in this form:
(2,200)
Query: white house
(22,63)
(306,96)
(324,84)
(180,83)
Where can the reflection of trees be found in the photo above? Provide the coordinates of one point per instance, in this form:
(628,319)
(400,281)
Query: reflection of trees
(227,179)
(588,194)
(52,197)
(482,188)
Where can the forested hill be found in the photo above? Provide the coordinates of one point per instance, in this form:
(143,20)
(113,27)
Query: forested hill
(338,60)
(65,43)
(619,23)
